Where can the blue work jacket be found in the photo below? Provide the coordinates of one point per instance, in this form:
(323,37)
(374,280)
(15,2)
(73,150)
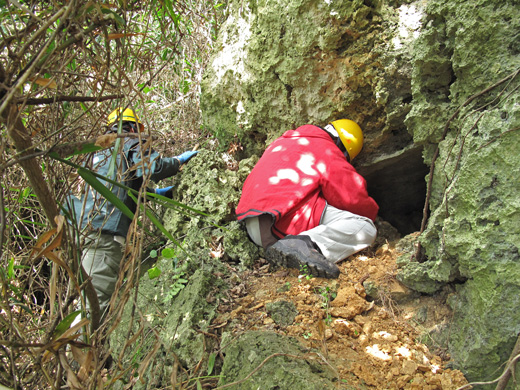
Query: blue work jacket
(132,165)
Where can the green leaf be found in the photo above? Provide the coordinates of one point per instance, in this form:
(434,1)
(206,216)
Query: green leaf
(156,221)
(154,273)
(153,253)
(111,172)
(24,194)
(211,363)
(199,385)
(10,268)
(173,15)
(25,307)
(104,191)
(113,15)
(168,253)
(65,324)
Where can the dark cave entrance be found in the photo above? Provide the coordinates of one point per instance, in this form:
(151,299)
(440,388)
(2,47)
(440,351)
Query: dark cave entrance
(397,183)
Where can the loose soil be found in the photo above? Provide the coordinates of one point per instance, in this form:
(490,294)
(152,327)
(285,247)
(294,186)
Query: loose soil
(372,343)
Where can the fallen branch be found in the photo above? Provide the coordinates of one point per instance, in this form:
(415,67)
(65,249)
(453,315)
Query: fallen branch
(510,368)
(65,98)
(506,373)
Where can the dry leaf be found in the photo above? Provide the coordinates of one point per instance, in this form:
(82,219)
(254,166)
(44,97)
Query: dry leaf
(72,380)
(122,35)
(84,360)
(106,140)
(46,83)
(53,287)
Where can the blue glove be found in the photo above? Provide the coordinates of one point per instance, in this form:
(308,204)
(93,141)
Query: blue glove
(184,157)
(166,191)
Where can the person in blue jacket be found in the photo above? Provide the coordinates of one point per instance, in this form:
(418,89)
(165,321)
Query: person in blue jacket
(104,225)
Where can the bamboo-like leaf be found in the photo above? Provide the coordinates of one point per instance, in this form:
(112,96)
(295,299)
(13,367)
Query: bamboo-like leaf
(105,192)
(211,363)
(111,172)
(169,8)
(65,324)
(53,286)
(91,179)
(156,222)
(113,15)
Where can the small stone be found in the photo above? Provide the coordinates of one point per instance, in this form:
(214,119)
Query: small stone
(363,340)
(282,312)
(328,334)
(409,367)
(345,327)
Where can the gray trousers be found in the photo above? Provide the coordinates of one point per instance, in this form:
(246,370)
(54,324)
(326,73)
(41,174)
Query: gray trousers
(339,234)
(101,260)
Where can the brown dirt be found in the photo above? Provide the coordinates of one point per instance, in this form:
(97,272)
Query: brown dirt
(371,345)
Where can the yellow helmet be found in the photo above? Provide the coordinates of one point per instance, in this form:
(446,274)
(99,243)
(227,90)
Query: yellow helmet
(351,136)
(127,115)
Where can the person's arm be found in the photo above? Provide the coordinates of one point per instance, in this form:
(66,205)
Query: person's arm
(346,189)
(166,191)
(161,167)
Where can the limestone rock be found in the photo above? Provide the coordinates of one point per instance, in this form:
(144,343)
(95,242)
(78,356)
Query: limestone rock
(280,372)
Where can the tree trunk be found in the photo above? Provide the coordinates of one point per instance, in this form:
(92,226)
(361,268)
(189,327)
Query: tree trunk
(23,144)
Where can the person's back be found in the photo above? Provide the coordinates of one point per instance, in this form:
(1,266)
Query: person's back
(105,226)
(302,175)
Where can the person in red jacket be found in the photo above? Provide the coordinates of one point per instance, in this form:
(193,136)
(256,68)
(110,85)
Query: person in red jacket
(305,203)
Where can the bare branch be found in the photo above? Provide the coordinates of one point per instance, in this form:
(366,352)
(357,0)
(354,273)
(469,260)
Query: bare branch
(63,98)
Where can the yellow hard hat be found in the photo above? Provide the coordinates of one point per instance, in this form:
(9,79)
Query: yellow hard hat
(351,136)
(127,115)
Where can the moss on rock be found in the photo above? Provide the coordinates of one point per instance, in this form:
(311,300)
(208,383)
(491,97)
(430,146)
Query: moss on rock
(246,353)
(473,232)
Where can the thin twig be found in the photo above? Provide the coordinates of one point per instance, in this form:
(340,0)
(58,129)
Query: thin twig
(502,383)
(511,363)
(66,98)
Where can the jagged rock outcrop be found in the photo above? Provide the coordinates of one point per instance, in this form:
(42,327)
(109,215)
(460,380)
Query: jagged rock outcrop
(408,72)
(283,366)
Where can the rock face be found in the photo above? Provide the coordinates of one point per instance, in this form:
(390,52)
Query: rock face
(173,328)
(415,75)
(287,366)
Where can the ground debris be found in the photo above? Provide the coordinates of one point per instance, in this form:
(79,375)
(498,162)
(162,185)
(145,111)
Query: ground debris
(372,342)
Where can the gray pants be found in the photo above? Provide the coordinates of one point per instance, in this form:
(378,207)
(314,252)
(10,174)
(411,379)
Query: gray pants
(101,259)
(339,234)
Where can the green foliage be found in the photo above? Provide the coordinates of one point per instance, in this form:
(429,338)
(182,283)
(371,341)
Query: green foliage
(65,324)
(176,287)
(327,294)
(72,63)
(154,272)
(211,363)
(304,273)
(10,285)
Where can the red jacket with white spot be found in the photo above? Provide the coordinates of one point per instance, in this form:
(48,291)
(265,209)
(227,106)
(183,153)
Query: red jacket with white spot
(297,176)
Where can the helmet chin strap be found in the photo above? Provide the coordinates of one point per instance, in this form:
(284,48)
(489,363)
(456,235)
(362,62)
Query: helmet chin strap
(331,130)
(335,136)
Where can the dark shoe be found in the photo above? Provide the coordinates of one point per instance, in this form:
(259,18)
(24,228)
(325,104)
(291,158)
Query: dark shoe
(298,251)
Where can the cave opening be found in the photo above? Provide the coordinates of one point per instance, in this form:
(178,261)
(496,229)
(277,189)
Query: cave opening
(397,183)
